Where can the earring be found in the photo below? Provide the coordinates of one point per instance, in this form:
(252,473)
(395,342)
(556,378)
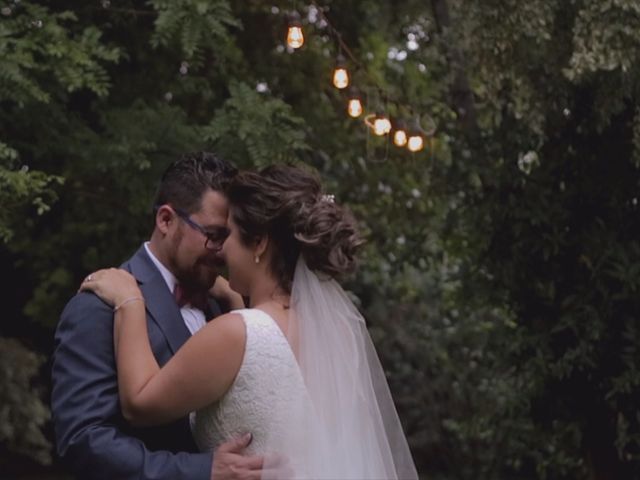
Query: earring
(257,258)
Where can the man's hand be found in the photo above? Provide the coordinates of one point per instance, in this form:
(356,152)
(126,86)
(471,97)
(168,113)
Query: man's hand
(230,464)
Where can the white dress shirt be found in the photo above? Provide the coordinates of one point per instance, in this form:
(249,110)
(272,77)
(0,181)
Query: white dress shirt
(193,317)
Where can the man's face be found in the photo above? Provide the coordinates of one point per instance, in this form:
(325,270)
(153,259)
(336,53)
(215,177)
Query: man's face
(194,265)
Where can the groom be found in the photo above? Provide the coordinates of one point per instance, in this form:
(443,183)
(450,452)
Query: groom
(175,269)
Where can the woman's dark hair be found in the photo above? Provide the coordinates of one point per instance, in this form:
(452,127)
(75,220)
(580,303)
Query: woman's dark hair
(286,203)
(186,180)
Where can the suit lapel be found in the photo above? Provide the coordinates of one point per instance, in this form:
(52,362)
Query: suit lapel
(160,303)
(163,310)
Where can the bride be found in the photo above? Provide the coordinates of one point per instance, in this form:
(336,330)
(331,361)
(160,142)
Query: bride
(297,369)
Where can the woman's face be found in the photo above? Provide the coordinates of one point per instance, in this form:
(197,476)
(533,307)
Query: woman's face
(239,258)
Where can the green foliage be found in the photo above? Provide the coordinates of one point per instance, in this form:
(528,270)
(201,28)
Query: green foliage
(23,413)
(606,38)
(557,209)
(253,129)
(20,187)
(43,50)
(500,278)
(192,24)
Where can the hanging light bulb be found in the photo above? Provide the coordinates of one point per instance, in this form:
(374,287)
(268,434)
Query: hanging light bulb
(341,78)
(415,142)
(379,123)
(381,126)
(400,134)
(354,107)
(340,73)
(295,37)
(400,138)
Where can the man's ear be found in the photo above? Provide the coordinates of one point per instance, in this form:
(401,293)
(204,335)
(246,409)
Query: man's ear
(164,219)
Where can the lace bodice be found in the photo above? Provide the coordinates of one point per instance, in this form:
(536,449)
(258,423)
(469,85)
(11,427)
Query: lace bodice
(256,402)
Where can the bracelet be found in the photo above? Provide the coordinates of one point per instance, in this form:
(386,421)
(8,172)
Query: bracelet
(128,300)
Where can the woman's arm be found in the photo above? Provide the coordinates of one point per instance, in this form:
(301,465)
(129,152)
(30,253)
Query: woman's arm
(222,291)
(196,376)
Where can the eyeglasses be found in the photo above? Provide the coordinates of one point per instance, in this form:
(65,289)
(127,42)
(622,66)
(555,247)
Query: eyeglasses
(214,239)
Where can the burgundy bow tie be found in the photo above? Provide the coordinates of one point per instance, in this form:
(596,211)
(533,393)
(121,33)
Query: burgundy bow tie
(195,299)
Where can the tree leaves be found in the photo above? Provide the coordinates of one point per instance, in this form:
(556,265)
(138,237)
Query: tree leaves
(23,414)
(38,46)
(500,277)
(253,129)
(192,24)
(21,187)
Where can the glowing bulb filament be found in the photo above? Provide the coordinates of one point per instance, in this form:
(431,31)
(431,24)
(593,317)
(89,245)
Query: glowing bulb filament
(400,138)
(295,37)
(416,143)
(355,107)
(341,78)
(381,126)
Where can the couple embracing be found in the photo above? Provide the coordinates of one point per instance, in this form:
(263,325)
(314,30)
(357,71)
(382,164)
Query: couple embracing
(162,371)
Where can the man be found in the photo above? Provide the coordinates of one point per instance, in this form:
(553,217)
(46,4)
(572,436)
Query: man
(175,270)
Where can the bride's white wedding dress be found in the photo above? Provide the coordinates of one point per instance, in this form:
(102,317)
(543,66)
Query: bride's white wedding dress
(268,383)
(327,409)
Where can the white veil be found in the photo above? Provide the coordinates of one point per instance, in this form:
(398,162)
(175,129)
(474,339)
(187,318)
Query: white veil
(347,426)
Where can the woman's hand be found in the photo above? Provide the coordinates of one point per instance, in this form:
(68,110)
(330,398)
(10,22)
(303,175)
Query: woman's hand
(112,285)
(221,291)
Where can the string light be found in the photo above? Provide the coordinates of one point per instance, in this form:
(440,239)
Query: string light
(379,123)
(295,37)
(340,73)
(415,143)
(400,134)
(413,137)
(381,126)
(417,134)
(354,107)
(400,138)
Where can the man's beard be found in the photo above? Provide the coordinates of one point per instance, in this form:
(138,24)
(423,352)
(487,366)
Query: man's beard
(199,276)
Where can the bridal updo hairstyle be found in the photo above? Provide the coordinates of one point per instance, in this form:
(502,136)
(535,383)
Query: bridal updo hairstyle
(286,203)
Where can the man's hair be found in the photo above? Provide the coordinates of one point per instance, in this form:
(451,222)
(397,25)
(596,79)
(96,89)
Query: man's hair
(185,181)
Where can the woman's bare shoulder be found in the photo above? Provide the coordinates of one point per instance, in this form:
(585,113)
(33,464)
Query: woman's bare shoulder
(229,325)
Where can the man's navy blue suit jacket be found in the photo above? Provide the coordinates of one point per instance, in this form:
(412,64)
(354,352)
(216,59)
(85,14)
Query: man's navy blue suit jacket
(92,437)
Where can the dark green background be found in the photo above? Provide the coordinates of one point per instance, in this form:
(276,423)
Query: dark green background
(502,270)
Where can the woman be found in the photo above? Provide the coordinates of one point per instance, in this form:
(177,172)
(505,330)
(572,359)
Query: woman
(297,369)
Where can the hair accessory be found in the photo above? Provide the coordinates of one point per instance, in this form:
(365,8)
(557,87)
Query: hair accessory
(328,198)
